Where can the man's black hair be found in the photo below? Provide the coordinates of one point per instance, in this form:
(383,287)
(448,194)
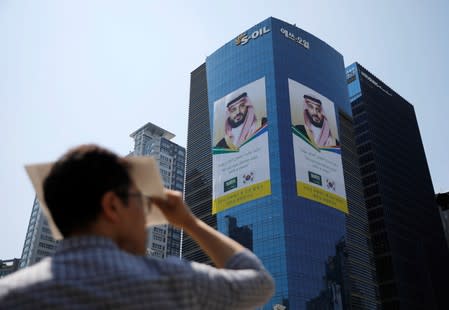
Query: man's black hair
(77,182)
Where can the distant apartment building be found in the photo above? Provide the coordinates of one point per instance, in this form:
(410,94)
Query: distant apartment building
(39,242)
(151,140)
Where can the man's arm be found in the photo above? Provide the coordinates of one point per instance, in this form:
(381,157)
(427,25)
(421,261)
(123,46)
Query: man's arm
(246,286)
(219,247)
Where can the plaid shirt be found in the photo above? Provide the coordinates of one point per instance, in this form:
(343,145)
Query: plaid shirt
(93,273)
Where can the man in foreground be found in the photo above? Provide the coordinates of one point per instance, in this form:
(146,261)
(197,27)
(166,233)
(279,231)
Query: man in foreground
(100,263)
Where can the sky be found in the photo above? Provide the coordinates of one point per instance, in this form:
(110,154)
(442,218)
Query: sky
(91,71)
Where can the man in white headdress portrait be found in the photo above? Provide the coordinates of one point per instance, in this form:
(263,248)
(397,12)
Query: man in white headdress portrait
(316,125)
(241,122)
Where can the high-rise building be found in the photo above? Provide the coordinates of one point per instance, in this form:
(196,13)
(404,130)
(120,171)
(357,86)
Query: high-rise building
(151,140)
(39,241)
(361,288)
(408,242)
(198,186)
(264,165)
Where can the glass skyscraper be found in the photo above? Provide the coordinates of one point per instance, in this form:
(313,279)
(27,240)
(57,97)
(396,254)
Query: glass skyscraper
(198,184)
(361,290)
(262,172)
(408,242)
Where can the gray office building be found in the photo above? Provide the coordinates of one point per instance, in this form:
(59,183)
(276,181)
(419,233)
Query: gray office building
(151,140)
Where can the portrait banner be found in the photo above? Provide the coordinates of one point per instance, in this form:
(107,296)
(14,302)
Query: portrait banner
(316,145)
(240,160)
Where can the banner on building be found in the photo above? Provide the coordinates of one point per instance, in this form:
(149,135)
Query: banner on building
(317,152)
(241,169)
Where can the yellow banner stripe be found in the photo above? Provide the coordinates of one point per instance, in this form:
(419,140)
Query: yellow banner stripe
(320,195)
(241,196)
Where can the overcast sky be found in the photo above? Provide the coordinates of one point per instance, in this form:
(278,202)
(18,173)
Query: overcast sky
(85,71)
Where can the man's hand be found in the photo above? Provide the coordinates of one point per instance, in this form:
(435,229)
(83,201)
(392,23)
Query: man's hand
(174,208)
(219,247)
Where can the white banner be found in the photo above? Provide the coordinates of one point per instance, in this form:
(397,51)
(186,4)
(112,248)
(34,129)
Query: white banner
(241,169)
(317,152)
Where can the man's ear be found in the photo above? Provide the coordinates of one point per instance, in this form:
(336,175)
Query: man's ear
(110,204)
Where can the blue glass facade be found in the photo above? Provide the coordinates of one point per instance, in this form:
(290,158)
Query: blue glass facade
(298,240)
(352,78)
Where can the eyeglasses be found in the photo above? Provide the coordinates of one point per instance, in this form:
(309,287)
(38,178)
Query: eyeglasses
(145,199)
